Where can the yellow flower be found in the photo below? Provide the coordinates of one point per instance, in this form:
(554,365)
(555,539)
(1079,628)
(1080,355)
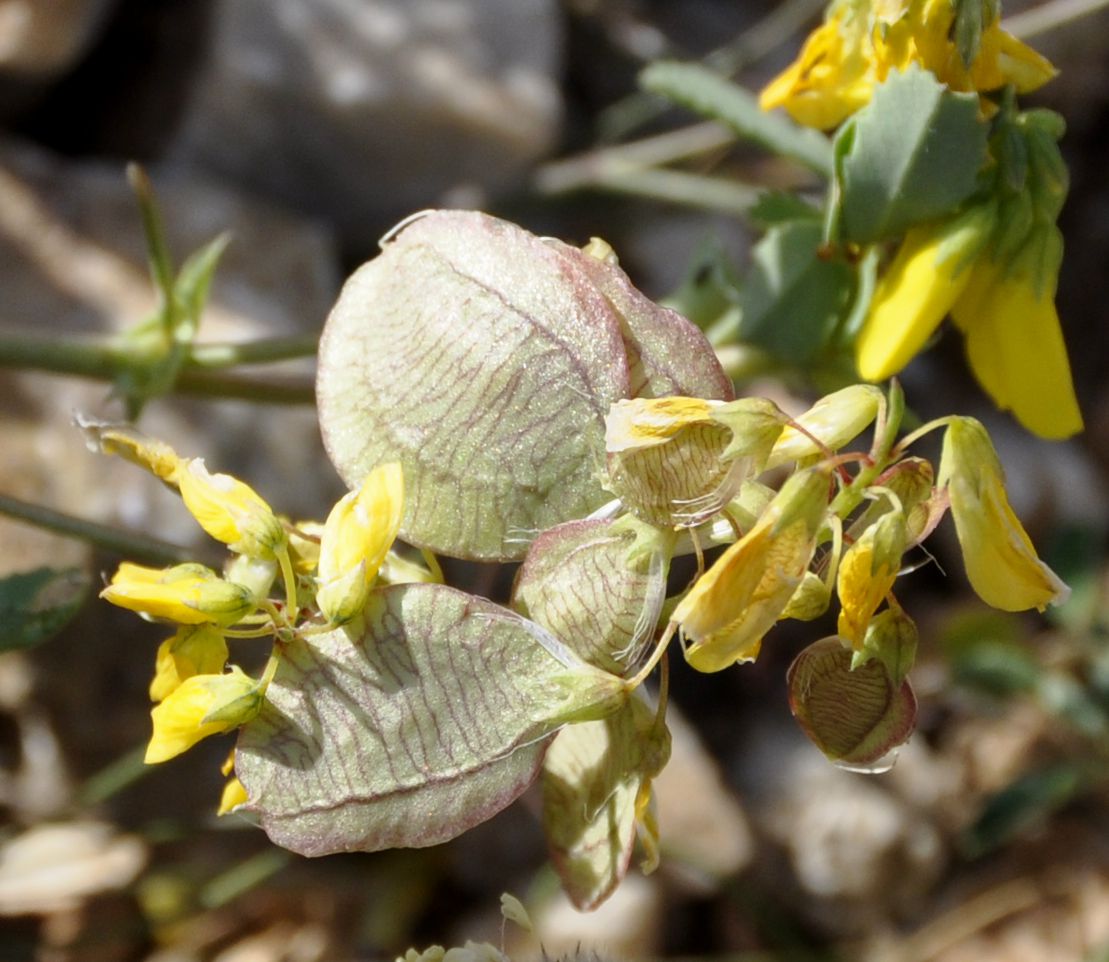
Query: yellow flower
(1016,350)
(356,538)
(202,705)
(866,574)
(200,650)
(230,511)
(861,41)
(925,279)
(1007,313)
(189,594)
(1001,562)
(731,607)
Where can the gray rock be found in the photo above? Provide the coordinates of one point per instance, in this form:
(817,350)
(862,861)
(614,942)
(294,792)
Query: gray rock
(363,110)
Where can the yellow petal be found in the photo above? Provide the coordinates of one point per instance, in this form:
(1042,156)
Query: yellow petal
(201,706)
(192,651)
(924,280)
(230,511)
(156,456)
(188,594)
(1015,347)
(866,574)
(833,421)
(1001,563)
(233,795)
(356,538)
(638,423)
(731,607)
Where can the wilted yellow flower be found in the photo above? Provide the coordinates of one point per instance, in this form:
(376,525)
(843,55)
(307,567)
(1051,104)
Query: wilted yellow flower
(194,650)
(230,511)
(866,574)
(1001,562)
(861,41)
(1007,313)
(202,705)
(120,439)
(356,538)
(189,594)
(676,461)
(731,607)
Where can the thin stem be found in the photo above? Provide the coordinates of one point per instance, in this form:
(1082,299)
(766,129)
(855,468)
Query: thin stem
(673,186)
(913,436)
(660,649)
(124,543)
(105,359)
(263,351)
(1050,16)
(291,610)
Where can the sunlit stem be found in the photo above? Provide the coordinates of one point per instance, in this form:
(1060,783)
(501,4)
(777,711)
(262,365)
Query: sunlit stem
(270,671)
(660,649)
(891,411)
(913,436)
(261,632)
(663,692)
(289,578)
(433,565)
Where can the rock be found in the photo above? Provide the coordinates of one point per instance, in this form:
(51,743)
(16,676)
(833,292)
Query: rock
(364,110)
(52,867)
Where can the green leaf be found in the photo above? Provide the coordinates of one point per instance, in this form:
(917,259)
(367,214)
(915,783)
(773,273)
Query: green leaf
(193,283)
(484,359)
(429,719)
(794,297)
(779,206)
(577,583)
(592,776)
(35,605)
(911,155)
(711,95)
(855,717)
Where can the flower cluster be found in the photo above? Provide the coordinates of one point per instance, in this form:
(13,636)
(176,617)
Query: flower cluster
(326,572)
(992,263)
(840,525)
(861,41)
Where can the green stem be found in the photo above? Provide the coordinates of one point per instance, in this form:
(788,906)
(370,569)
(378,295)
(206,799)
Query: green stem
(123,543)
(105,359)
(116,776)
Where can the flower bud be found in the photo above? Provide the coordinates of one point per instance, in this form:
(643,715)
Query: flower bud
(356,538)
(810,600)
(202,705)
(189,594)
(1001,562)
(230,511)
(200,650)
(120,439)
(833,421)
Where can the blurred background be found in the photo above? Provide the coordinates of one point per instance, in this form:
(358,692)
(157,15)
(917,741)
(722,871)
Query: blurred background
(307,128)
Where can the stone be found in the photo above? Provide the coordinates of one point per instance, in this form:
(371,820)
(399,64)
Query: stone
(364,110)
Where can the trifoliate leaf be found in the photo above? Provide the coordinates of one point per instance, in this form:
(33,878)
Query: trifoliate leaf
(855,717)
(428,720)
(578,582)
(913,154)
(595,776)
(35,605)
(793,297)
